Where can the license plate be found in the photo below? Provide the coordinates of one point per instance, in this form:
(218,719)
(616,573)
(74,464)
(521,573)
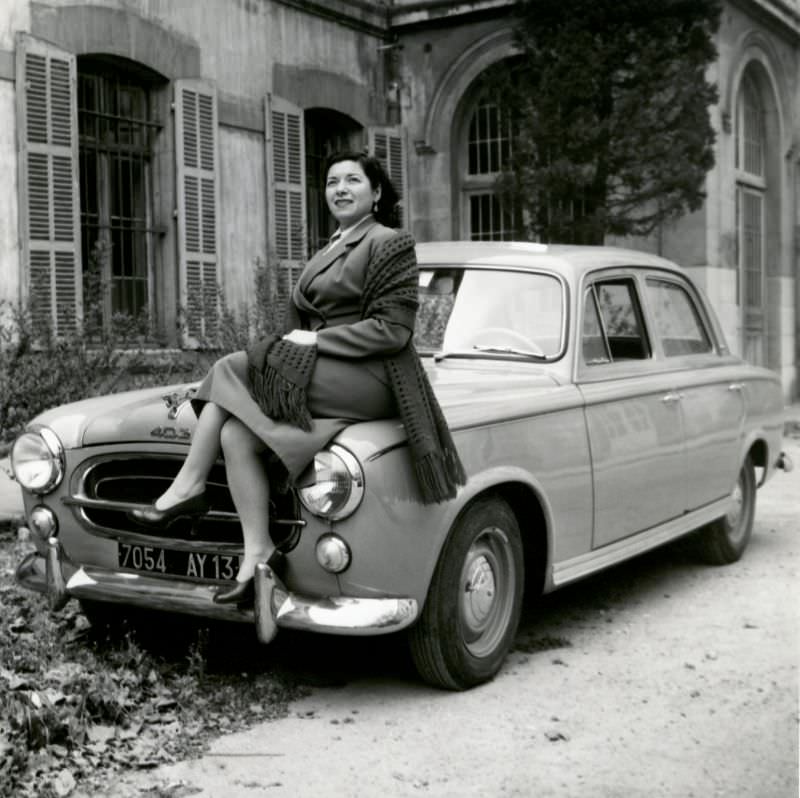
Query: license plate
(196,564)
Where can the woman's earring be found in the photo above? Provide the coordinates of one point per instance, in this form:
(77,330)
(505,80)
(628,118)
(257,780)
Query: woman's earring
(375,206)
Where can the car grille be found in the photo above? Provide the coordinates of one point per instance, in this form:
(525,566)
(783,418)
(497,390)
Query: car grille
(107,487)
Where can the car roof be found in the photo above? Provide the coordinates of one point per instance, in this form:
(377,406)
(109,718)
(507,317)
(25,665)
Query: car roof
(562,258)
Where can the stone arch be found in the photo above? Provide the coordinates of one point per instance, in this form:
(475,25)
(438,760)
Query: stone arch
(84,29)
(320,88)
(457,80)
(756,61)
(755,48)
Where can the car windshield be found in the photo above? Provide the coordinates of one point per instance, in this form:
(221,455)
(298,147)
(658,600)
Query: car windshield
(474,312)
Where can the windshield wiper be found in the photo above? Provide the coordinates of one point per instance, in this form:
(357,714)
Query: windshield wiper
(442,354)
(510,350)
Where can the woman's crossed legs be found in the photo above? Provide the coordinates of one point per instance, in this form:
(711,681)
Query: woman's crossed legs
(217,430)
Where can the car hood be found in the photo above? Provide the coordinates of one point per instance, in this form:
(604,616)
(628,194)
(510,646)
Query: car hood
(121,417)
(470,394)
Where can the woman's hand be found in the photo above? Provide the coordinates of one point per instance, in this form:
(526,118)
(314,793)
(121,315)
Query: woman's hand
(302,337)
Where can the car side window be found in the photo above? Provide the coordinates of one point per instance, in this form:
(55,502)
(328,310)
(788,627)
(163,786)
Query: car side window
(612,323)
(678,324)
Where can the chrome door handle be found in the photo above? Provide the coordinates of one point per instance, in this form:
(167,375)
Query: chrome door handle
(736,386)
(672,396)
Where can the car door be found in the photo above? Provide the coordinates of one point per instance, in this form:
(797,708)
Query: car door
(633,415)
(710,397)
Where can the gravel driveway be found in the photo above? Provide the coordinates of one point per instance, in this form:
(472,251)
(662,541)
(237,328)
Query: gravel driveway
(662,677)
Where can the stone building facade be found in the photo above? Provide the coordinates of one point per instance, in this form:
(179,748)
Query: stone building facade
(174,149)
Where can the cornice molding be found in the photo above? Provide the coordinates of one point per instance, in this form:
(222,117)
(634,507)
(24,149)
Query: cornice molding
(780,15)
(371,18)
(405,14)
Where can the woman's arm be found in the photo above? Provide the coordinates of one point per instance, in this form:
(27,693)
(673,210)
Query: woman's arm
(361,339)
(366,338)
(389,302)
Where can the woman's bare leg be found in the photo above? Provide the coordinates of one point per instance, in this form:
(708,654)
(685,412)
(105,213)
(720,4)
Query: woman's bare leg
(203,453)
(249,487)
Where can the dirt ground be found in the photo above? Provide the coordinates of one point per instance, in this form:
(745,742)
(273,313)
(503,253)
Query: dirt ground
(662,677)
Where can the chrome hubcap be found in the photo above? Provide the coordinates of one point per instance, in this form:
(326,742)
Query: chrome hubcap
(487,591)
(478,593)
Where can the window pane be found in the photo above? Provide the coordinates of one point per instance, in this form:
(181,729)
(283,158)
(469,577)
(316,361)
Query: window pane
(489,138)
(489,219)
(678,324)
(752,247)
(620,318)
(462,308)
(593,345)
(115,159)
(753,132)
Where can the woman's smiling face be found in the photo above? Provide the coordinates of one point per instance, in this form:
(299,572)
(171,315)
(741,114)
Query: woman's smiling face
(349,193)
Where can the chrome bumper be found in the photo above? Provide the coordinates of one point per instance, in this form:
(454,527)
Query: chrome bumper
(274,605)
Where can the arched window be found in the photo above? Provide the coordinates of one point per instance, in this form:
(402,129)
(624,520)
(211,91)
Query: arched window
(751,188)
(485,147)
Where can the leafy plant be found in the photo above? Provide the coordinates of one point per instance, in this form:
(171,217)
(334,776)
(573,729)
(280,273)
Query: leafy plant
(78,704)
(39,369)
(228,329)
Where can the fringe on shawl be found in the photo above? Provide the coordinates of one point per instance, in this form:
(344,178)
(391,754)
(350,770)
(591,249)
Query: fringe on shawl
(436,462)
(439,476)
(281,390)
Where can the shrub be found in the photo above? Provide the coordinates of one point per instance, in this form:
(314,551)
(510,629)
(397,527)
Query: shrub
(39,370)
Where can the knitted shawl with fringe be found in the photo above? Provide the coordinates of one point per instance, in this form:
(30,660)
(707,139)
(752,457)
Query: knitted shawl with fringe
(279,372)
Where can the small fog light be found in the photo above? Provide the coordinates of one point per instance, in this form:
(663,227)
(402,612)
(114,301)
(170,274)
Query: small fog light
(333,554)
(43,521)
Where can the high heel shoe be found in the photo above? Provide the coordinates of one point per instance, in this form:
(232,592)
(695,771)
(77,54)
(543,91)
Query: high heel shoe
(194,505)
(245,592)
(241,593)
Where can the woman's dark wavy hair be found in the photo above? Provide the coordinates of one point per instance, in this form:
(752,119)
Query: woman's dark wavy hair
(376,174)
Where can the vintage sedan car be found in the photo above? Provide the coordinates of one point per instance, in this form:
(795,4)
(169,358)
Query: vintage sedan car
(596,407)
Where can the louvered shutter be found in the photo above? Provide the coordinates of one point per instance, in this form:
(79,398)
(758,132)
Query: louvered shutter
(198,201)
(49,209)
(388,145)
(286,187)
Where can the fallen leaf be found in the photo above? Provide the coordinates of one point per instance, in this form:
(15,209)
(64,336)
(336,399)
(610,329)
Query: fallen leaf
(19,626)
(55,696)
(63,784)
(99,733)
(17,682)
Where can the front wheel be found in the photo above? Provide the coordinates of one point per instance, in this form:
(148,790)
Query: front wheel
(723,541)
(474,601)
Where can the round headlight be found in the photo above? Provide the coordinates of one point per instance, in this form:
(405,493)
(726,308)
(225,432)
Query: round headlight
(37,460)
(337,484)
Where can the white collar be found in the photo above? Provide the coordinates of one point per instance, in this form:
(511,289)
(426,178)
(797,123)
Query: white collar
(343,232)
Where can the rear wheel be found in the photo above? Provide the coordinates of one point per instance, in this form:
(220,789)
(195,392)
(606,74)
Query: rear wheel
(723,541)
(474,601)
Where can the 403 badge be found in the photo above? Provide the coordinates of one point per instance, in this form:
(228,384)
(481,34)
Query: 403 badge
(171,433)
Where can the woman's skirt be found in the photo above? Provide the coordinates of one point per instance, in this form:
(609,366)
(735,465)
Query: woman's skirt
(340,393)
